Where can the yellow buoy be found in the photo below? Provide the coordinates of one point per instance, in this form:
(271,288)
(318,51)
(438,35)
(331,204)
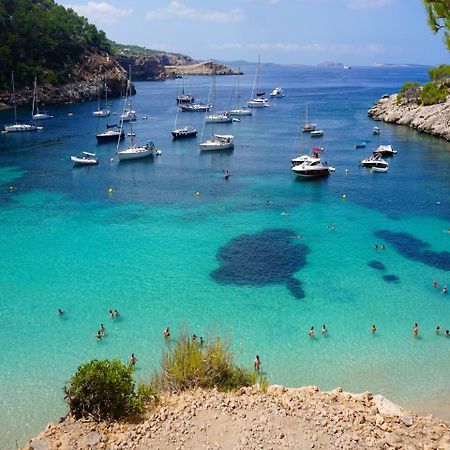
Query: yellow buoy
(110,190)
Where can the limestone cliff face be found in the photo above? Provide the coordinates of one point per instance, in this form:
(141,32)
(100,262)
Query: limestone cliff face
(433,119)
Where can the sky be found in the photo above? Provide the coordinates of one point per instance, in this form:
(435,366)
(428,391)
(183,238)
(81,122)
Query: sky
(354,32)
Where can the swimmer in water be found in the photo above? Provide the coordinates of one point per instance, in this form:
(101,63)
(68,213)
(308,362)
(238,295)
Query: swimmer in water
(298,236)
(373,329)
(284,213)
(415,330)
(115,313)
(60,312)
(102,330)
(201,341)
(98,336)
(444,290)
(447,333)
(437,330)
(166,333)
(375,247)
(257,363)
(111,314)
(324,329)
(435,284)
(194,338)
(132,360)
(311,332)
(382,247)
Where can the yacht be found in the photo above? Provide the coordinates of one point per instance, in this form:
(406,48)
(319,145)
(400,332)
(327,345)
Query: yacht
(374,161)
(316,133)
(219,118)
(313,154)
(110,135)
(102,112)
(184,98)
(138,151)
(308,127)
(385,150)
(277,93)
(257,101)
(128,115)
(184,132)
(238,110)
(84,159)
(218,142)
(312,168)
(36,114)
(195,107)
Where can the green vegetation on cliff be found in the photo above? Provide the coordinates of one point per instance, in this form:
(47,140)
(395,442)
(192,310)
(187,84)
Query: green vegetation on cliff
(438,12)
(42,38)
(440,72)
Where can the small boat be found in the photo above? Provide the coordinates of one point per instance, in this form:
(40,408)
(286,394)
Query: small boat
(361,145)
(374,161)
(185,132)
(236,119)
(130,134)
(317,133)
(277,93)
(347,67)
(258,103)
(376,130)
(138,151)
(128,115)
(194,107)
(385,150)
(238,110)
(218,142)
(308,127)
(379,169)
(105,112)
(84,159)
(218,118)
(36,114)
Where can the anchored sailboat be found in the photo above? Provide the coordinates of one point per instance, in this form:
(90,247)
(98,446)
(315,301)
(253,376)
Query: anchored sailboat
(259,101)
(36,114)
(239,110)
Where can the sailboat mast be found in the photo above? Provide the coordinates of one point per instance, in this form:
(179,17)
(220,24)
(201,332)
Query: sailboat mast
(238,97)
(14,97)
(129,103)
(34,98)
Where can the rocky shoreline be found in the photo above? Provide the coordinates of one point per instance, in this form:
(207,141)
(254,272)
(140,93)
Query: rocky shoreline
(433,119)
(302,418)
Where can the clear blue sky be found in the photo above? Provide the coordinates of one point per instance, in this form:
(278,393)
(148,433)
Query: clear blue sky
(356,32)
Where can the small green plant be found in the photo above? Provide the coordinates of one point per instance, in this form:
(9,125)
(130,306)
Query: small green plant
(433,93)
(440,72)
(188,365)
(409,93)
(263,383)
(105,390)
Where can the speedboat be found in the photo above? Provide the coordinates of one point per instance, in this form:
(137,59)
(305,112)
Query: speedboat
(277,93)
(218,118)
(360,145)
(19,127)
(110,135)
(374,161)
(313,154)
(84,159)
(138,151)
(218,142)
(317,133)
(312,168)
(376,130)
(185,132)
(258,102)
(105,112)
(195,107)
(385,150)
(128,115)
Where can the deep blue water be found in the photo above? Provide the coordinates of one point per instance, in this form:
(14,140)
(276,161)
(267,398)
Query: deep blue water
(230,259)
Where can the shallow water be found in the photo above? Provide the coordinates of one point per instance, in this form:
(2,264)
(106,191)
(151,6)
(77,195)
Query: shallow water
(217,262)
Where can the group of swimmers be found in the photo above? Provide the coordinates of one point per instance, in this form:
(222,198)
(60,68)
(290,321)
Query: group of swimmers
(323,331)
(100,333)
(444,288)
(113,313)
(381,246)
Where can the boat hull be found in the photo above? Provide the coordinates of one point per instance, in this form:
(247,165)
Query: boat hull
(109,137)
(312,173)
(138,152)
(19,128)
(83,161)
(42,116)
(379,169)
(240,112)
(215,146)
(183,134)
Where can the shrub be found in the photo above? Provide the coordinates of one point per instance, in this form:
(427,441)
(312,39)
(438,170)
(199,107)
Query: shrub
(188,365)
(104,390)
(432,93)
(409,93)
(408,85)
(437,73)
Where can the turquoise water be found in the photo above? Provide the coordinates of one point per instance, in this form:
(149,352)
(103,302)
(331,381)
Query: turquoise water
(151,247)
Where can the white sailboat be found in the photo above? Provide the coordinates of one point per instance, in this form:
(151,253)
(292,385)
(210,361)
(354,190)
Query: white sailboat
(36,114)
(18,127)
(308,127)
(259,101)
(135,151)
(239,110)
(216,141)
(182,132)
(102,112)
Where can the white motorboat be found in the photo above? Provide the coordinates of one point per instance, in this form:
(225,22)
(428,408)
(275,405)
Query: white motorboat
(376,130)
(84,159)
(385,150)
(257,101)
(128,115)
(194,107)
(238,110)
(36,114)
(277,93)
(218,118)
(312,168)
(218,142)
(19,127)
(316,133)
(308,127)
(138,151)
(313,154)
(379,169)
(105,112)
(374,161)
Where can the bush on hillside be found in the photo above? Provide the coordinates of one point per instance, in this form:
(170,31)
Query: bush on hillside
(440,72)
(105,390)
(409,93)
(432,93)
(188,365)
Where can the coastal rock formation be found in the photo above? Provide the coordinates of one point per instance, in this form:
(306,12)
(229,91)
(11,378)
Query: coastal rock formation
(200,68)
(433,119)
(303,418)
(86,83)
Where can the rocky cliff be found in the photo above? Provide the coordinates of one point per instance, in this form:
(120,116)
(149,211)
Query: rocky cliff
(199,68)
(281,418)
(433,119)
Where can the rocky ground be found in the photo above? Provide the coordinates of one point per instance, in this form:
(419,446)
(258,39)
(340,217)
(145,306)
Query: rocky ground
(433,119)
(202,68)
(302,418)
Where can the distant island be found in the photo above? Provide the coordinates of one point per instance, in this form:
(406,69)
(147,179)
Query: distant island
(73,58)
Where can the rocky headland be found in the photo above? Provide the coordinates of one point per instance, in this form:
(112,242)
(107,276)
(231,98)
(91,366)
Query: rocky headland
(302,418)
(199,68)
(432,119)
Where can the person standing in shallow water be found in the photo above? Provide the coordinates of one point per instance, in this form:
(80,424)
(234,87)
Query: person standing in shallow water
(257,363)
(415,330)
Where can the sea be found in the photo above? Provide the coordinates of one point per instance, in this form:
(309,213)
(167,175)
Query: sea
(258,258)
